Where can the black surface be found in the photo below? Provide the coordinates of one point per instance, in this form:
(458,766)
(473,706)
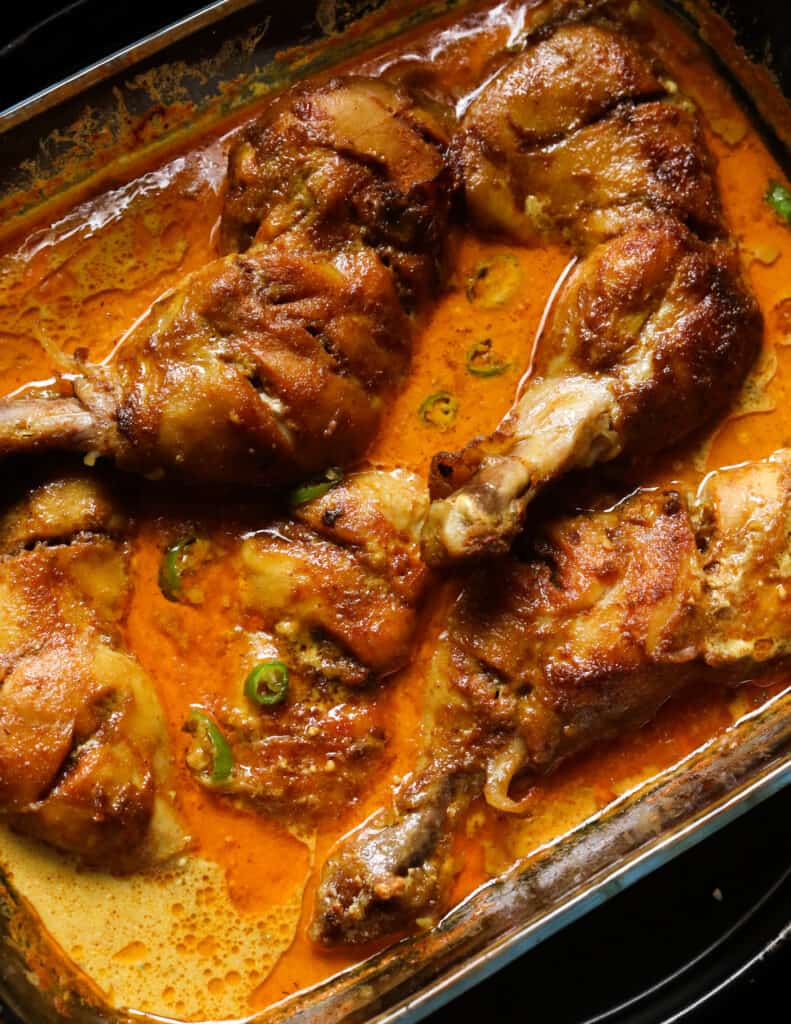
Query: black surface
(662,927)
(763,28)
(667,942)
(44,42)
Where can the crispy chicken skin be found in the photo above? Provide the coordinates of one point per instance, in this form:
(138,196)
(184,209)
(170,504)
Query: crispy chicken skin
(579,74)
(653,331)
(572,139)
(587,633)
(347,570)
(334,594)
(651,336)
(269,365)
(357,160)
(260,368)
(83,748)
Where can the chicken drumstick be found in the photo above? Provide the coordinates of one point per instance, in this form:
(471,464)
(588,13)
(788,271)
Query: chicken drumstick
(608,616)
(577,140)
(267,366)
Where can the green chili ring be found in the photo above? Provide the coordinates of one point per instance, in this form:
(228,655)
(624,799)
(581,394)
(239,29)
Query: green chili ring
(169,572)
(273,676)
(222,758)
(495,281)
(439,410)
(483,362)
(779,198)
(316,488)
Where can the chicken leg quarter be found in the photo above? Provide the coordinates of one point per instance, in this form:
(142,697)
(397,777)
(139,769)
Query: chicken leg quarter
(654,330)
(609,615)
(274,363)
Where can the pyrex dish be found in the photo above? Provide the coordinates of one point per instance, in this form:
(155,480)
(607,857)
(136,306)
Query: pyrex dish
(222,58)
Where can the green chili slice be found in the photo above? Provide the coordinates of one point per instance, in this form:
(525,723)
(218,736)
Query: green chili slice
(315,488)
(439,410)
(267,683)
(222,758)
(494,281)
(482,361)
(779,198)
(170,569)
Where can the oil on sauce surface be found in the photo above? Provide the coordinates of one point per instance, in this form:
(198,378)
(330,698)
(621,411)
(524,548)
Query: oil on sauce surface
(222,933)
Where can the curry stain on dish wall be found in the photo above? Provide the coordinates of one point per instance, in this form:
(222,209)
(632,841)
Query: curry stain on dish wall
(222,931)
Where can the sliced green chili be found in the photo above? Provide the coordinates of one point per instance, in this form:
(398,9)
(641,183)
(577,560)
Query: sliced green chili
(439,410)
(482,361)
(222,758)
(315,488)
(170,569)
(779,198)
(267,683)
(494,281)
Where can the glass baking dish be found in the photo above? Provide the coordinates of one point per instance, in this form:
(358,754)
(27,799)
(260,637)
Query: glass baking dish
(196,73)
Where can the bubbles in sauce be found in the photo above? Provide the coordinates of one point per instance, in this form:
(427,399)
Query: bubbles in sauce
(172,943)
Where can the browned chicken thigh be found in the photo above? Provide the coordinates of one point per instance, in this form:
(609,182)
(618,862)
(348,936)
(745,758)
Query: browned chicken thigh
(654,330)
(577,138)
(270,365)
(358,160)
(83,749)
(588,633)
(333,594)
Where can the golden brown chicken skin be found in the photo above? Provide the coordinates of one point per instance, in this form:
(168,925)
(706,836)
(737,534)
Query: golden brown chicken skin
(652,336)
(332,595)
(267,366)
(601,620)
(264,373)
(576,138)
(83,749)
(654,330)
(262,368)
(358,160)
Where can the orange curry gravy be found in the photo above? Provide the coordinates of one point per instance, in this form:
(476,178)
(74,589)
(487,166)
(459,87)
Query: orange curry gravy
(80,282)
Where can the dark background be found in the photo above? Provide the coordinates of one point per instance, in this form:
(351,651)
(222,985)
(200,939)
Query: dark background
(667,947)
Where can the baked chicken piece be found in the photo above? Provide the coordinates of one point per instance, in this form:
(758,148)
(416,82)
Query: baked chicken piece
(331,599)
(578,638)
(268,366)
(653,331)
(83,747)
(356,161)
(578,138)
(651,336)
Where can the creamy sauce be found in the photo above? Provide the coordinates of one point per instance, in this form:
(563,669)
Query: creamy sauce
(223,932)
